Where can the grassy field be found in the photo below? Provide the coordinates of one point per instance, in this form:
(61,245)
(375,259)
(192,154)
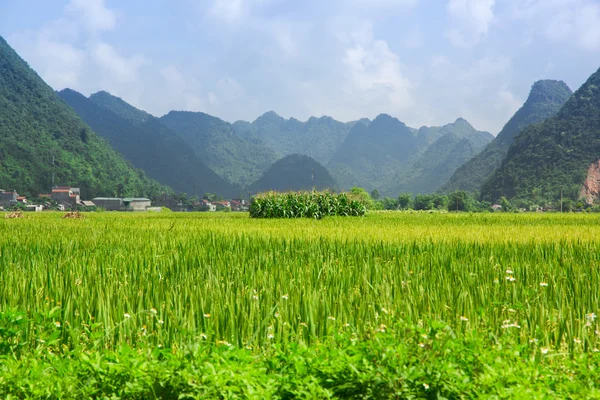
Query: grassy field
(217,305)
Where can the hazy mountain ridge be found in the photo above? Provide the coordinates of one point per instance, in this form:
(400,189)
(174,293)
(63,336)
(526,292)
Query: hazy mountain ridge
(294,172)
(317,137)
(457,143)
(545,100)
(237,159)
(147,144)
(554,155)
(394,158)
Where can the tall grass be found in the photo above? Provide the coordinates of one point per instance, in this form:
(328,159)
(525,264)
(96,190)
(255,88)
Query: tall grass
(159,279)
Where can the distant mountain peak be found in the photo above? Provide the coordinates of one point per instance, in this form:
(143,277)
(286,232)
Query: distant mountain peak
(294,172)
(545,99)
(547,90)
(120,107)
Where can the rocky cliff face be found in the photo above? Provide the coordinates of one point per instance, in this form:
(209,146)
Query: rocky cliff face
(590,190)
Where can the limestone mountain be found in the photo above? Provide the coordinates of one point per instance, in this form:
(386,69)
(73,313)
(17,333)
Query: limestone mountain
(371,156)
(555,155)
(447,148)
(41,136)
(294,172)
(148,144)
(318,138)
(544,101)
(240,160)
(392,157)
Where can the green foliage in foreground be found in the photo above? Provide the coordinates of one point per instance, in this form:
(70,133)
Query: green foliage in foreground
(305,205)
(425,361)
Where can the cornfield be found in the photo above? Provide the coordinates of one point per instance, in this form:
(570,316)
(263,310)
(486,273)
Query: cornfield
(165,280)
(305,205)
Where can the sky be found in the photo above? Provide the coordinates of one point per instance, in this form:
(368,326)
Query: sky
(425,62)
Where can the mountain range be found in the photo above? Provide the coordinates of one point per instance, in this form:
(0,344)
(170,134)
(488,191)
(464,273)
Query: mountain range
(42,141)
(107,147)
(148,144)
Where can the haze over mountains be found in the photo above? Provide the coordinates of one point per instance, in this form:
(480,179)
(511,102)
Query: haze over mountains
(561,154)
(382,154)
(550,146)
(545,99)
(147,144)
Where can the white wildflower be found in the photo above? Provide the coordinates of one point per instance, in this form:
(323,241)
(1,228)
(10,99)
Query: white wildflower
(590,317)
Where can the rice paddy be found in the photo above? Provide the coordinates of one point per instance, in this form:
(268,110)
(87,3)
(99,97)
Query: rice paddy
(163,281)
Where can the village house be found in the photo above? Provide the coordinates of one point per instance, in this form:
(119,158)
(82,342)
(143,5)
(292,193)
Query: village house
(8,199)
(137,204)
(66,195)
(208,205)
(222,204)
(238,205)
(34,207)
(108,203)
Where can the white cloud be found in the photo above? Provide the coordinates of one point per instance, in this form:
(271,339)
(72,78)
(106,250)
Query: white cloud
(50,51)
(123,69)
(480,92)
(566,21)
(470,20)
(92,14)
(375,73)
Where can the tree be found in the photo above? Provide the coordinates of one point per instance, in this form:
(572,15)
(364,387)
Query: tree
(388,203)
(461,201)
(375,194)
(506,205)
(405,201)
(209,197)
(363,196)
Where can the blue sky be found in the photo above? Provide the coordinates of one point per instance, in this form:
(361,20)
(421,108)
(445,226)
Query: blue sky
(426,62)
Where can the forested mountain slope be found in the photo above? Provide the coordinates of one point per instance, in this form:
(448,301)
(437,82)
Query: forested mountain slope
(544,101)
(555,155)
(36,126)
(148,144)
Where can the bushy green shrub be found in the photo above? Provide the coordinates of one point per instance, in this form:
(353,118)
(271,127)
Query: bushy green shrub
(305,205)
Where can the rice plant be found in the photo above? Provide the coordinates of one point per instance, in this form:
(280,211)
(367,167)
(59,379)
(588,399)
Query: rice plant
(164,281)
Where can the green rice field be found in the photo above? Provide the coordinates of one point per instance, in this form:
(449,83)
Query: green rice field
(218,305)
